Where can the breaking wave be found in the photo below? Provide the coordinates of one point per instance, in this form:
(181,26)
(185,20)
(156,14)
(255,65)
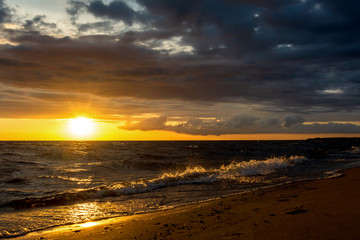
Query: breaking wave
(191,175)
(355,150)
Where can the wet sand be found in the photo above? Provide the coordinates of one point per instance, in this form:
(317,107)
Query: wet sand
(319,209)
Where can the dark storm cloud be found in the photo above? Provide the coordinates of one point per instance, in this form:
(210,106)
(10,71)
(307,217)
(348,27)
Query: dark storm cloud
(117,10)
(75,9)
(283,53)
(293,59)
(119,69)
(293,120)
(4,12)
(38,22)
(102,26)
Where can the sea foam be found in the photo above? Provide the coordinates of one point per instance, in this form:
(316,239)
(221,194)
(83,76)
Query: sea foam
(199,174)
(191,175)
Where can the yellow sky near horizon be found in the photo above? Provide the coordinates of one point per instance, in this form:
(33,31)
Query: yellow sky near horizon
(58,130)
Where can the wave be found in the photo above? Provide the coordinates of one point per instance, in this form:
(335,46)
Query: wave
(354,150)
(191,175)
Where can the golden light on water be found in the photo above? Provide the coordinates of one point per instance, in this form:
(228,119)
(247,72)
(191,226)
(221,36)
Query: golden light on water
(83,212)
(81,127)
(89,224)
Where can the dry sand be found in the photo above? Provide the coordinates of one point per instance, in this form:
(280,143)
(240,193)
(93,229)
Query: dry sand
(320,209)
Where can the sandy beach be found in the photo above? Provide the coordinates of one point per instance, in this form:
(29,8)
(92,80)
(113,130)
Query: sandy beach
(318,209)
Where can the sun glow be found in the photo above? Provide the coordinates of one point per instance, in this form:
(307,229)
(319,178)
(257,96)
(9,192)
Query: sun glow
(81,127)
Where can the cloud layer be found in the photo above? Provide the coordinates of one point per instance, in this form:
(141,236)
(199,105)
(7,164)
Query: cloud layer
(241,124)
(283,61)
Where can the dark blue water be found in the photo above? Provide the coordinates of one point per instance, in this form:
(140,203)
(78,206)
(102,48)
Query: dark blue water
(45,184)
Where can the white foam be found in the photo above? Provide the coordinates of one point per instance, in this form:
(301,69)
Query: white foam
(255,167)
(333,174)
(199,174)
(355,150)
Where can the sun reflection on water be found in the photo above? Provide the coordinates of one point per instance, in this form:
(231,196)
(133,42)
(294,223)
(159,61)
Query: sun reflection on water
(89,224)
(84,212)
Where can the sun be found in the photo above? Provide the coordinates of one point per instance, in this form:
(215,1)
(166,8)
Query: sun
(81,127)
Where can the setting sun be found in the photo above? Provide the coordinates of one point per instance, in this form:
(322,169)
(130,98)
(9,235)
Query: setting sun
(81,127)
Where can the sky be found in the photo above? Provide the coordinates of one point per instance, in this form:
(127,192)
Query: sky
(176,70)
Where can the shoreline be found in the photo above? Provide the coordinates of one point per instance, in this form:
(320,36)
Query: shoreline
(310,209)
